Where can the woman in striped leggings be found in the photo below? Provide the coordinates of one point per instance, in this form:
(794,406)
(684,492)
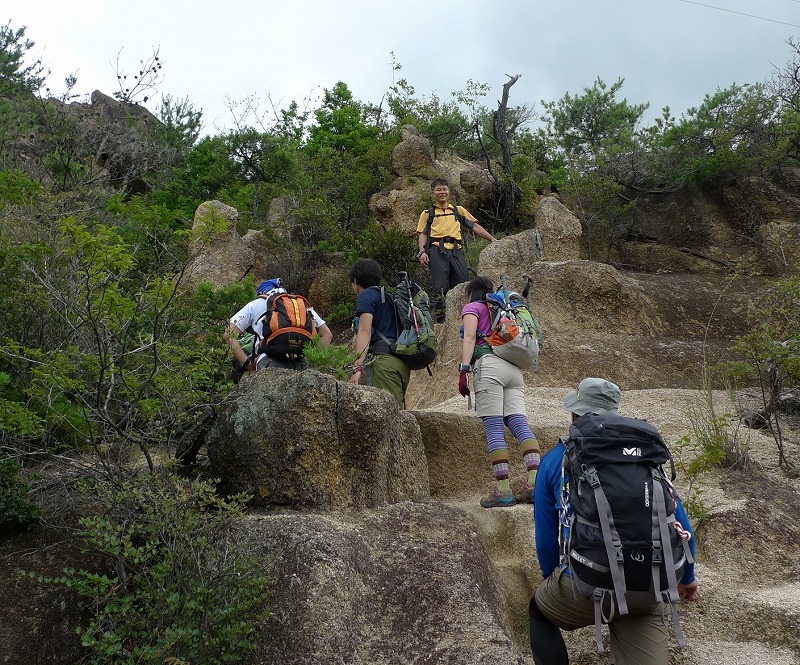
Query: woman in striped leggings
(499,398)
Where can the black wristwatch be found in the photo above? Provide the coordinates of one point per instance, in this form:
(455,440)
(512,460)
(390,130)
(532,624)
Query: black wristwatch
(464,368)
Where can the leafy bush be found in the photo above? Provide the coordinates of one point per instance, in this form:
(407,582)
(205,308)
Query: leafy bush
(133,365)
(394,248)
(16,420)
(713,442)
(17,189)
(769,356)
(16,510)
(17,423)
(180,585)
(334,359)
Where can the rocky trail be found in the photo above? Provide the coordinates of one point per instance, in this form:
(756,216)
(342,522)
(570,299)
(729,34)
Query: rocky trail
(749,605)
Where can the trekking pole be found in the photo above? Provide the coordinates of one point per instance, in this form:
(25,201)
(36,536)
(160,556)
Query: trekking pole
(526,293)
(504,286)
(413,315)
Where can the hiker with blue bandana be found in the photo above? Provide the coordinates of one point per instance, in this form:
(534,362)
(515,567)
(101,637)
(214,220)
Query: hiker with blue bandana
(613,539)
(278,341)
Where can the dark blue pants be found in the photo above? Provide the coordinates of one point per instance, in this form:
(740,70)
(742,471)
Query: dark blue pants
(448,268)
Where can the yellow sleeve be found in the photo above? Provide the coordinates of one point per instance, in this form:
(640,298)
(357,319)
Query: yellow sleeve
(466,213)
(423,221)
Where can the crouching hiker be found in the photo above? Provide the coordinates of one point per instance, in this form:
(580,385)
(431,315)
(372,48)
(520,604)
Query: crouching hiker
(628,563)
(281,322)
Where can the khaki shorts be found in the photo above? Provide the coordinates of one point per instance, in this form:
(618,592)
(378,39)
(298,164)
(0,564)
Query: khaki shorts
(639,638)
(499,387)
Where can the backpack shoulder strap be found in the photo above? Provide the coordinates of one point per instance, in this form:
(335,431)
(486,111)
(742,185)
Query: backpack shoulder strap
(611,539)
(429,225)
(382,291)
(386,295)
(465,223)
(662,551)
(267,307)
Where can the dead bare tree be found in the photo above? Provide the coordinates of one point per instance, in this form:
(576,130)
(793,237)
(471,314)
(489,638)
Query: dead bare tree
(505,123)
(500,129)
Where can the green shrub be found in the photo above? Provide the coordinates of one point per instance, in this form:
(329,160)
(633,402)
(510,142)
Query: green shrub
(16,420)
(333,359)
(180,585)
(16,188)
(394,248)
(713,442)
(16,510)
(769,357)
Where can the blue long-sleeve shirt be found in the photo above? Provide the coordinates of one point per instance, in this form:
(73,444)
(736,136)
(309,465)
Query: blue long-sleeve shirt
(548,512)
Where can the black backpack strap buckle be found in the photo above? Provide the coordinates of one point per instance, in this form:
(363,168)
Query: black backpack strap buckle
(591,477)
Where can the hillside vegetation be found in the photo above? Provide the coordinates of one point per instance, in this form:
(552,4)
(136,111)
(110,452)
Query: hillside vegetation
(112,371)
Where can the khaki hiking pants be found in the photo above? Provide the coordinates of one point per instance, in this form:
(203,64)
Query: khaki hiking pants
(636,639)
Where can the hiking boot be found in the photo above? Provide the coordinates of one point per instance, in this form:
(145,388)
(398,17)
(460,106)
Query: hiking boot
(497,499)
(526,495)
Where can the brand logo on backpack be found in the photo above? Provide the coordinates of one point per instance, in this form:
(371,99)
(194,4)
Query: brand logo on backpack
(608,459)
(288,325)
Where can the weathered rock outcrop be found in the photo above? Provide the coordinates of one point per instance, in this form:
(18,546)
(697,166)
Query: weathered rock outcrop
(282,216)
(559,231)
(413,156)
(747,224)
(111,140)
(219,257)
(305,439)
(415,164)
(407,583)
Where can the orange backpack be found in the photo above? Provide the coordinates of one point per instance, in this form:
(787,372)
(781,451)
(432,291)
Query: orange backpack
(288,326)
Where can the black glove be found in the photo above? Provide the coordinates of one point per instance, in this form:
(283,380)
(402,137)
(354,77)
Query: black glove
(238,370)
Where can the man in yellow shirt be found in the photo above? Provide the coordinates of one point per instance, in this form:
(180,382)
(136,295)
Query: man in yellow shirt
(441,247)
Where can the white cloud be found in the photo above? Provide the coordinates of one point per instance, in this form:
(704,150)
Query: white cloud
(669,52)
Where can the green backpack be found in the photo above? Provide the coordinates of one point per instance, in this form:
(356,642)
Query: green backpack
(416,339)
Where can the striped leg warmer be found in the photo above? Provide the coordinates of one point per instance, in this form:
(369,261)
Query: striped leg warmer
(518,424)
(498,451)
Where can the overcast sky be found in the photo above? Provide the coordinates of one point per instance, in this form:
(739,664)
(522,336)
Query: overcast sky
(670,52)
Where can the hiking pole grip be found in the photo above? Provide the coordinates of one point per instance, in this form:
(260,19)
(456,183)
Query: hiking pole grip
(504,286)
